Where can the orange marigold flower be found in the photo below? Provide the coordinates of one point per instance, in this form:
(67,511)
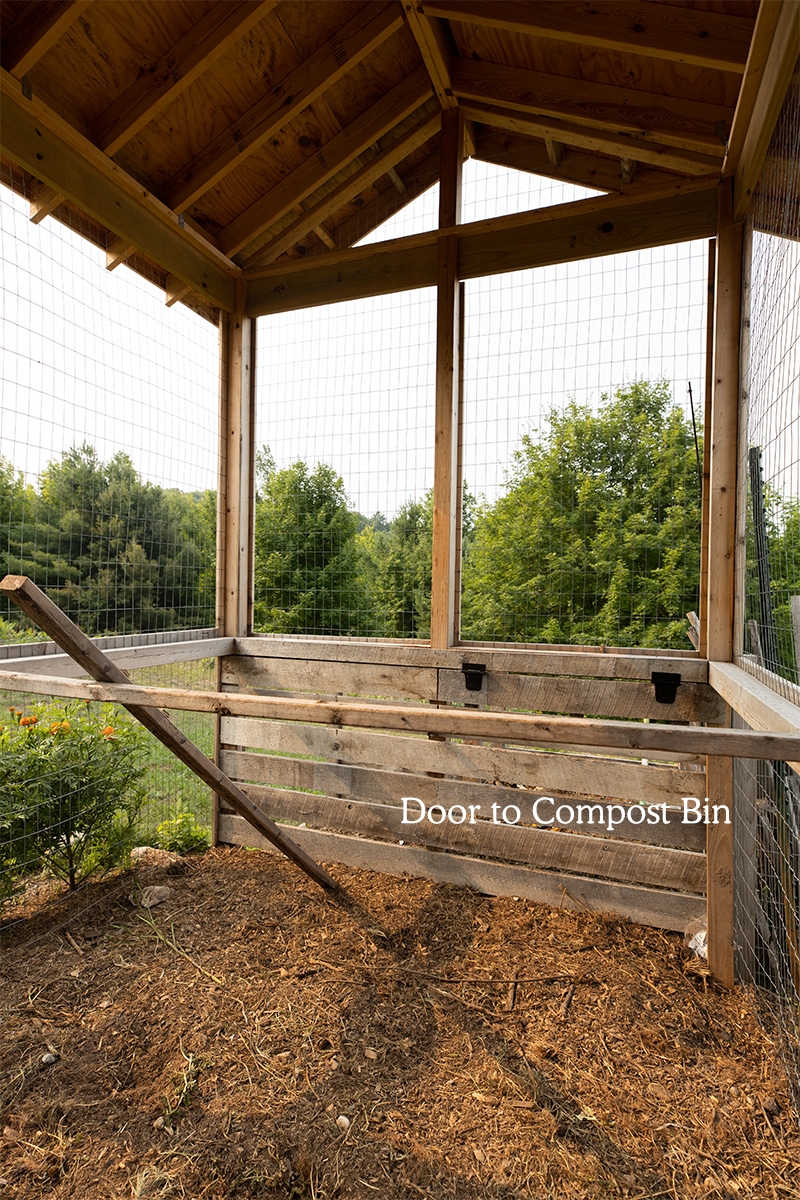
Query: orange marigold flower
(54,728)
(65,725)
(29,720)
(108,732)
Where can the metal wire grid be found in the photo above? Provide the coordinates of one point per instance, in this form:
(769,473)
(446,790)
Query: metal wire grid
(585,532)
(769,571)
(766,801)
(109,446)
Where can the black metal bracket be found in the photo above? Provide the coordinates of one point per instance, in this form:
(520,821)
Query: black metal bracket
(666,684)
(473,675)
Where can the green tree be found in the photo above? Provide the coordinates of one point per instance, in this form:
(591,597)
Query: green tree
(307,577)
(597,538)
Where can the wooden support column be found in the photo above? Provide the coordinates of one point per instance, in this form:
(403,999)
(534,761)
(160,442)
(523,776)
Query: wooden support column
(444,605)
(235,491)
(235,499)
(721,554)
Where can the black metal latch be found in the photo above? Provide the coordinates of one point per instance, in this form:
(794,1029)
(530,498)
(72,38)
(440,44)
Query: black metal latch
(666,684)
(473,675)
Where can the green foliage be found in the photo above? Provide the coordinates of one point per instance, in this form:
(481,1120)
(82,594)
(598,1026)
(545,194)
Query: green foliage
(306,572)
(183,834)
(396,566)
(117,554)
(69,790)
(597,538)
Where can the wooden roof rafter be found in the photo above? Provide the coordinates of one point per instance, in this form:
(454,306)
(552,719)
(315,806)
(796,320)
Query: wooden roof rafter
(719,41)
(286,98)
(176,69)
(36,28)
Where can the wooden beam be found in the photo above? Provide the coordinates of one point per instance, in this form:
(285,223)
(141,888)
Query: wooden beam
(543,237)
(175,290)
(708,392)
(444,620)
(757,703)
(767,78)
(160,83)
(35,604)
(118,252)
(617,144)
(717,41)
(423,718)
(47,146)
(574,166)
(236,496)
(432,43)
(573,661)
(129,658)
(676,121)
(346,191)
(285,99)
(724,433)
(44,204)
(719,872)
(36,27)
(326,162)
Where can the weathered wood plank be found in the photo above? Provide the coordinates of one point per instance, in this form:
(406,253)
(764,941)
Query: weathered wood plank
(549,849)
(719,860)
(557,660)
(389,787)
(595,697)
(127,658)
(662,909)
(755,702)
(488,764)
(331,678)
(421,718)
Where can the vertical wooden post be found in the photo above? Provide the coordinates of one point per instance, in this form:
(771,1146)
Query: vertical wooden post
(702,646)
(235,489)
(721,555)
(444,606)
(236,495)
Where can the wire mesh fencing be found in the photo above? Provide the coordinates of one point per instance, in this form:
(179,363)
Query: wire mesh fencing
(108,468)
(767,898)
(769,569)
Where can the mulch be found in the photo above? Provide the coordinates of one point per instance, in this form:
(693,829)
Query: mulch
(253,1037)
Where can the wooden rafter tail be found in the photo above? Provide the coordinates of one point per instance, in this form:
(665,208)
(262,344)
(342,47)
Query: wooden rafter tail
(49,617)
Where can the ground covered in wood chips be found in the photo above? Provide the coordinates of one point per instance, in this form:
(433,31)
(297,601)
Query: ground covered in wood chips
(253,1037)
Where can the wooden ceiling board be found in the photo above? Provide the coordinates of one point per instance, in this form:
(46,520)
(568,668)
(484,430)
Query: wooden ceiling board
(106,50)
(260,173)
(636,72)
(371,78)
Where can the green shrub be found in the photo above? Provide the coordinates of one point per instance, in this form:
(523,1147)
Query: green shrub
(69,790)
(183,835)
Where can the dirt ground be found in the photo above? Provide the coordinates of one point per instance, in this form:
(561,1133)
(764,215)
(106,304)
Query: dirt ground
(252,1037)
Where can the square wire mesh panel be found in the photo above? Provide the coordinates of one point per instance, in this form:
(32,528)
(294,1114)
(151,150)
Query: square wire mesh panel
(582,450)
(769,570)
(344,399)
(108,469)
(767,897)
(109,440)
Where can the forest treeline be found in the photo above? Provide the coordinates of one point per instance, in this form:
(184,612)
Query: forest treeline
(595,540)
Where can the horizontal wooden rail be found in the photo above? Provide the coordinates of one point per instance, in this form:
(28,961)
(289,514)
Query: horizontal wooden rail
(451,722)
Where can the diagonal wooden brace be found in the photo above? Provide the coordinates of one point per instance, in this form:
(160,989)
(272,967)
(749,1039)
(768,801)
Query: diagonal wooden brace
(49,617)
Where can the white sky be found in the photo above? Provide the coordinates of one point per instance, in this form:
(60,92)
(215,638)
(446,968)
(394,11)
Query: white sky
(92,355)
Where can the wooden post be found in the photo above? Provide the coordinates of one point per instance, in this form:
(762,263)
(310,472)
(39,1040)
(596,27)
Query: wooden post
(721,556)
(702,642)
(235,498)
(49,617)
(444,605)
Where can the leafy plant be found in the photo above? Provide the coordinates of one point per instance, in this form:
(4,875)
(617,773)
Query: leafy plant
(183,834)
(69,790)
